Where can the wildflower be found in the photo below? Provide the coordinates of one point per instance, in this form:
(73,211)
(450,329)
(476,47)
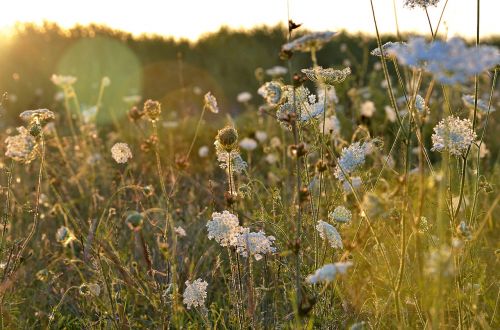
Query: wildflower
(64,236)
(450,62)
(390,113)
(203,151)
(332,126)
(152,109)
(227,137)
(261,136)
(105,81)
(248,144)
(231,156)
(329,233)
(420,3)
(41,116)
(368,109)
(271,158)
(180,231)
(420,104)
(195,293)
(385,49)
(256,244)
(327,76)
(121,153)
(211,102)
(224,228)
(301,105)
(481,104)
(21,147)
(87,289)
(341,214)
(272,92)
(328,272)
(464,231)
(350,159)
(454,135)
(277,71)
(244,97)
(63,81)
(308,42)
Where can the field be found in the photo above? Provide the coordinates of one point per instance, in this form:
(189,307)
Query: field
(273,178)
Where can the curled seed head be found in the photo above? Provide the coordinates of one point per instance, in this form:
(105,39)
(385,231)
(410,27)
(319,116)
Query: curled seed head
(227,137)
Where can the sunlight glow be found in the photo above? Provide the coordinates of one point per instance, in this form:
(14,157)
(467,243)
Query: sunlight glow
(191,18)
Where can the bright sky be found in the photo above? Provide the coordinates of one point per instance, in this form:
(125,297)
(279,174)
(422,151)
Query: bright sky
(191,18)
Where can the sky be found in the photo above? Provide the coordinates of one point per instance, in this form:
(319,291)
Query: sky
(192,18)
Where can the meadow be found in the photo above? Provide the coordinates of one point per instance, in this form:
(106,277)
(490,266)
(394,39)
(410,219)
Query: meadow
(276,178)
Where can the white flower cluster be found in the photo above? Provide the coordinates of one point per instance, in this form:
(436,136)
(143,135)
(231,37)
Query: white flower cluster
(277,71)
(481,104)
(238,165)
(301,104)
(211,102)
(328,272)
(224,228)
(121,153)
(385,49)
(272,92)
(195,293)
(244,97)
(306,43)
(450,62)
(454,135)
(21,147)
(327,76)
(420,3)
(255,244)
(248,144)
(340,214)
(420,104)
(350,159)
(329,233)
(63,81)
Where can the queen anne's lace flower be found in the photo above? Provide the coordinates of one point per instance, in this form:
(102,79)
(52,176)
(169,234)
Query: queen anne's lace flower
(350,159)
(328,272)
(327,76)
(21,147)
(385,48)
(224,228)
(238,165)
(211,103)
(481,104)
(340,214)
(244,97)
(420,3)
(450,62)
(454,135)
(272,92)
(315,40)
(248,144)
(42,115)
(256,244)
(329,233)
(420,104)
(121,153)
(195,293)
(63,81)
(277,71)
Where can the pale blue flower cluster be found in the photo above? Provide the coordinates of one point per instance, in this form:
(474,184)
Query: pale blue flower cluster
(450,62)
(350,159)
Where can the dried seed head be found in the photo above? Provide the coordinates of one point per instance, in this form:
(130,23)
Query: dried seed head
(152,109)
(228,137)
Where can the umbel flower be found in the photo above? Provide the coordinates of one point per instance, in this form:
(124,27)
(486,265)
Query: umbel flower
(308,42)
(454,135)
(420,3)
(224,228)
(300,105)
(41,116)
(327,76)
(256,244)
(340,214)
(272,92)
(351,158)
(21,147)
(450,62)
(121,152)
(211,102)
(481,104)
(63,81)
(328,272)
(385,49)
(195,293)
(420,104)
(152,109)
(329,233)
(228,153)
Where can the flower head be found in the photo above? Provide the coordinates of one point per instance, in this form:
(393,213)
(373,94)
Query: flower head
(121,152)
(350,159)
(256,244)
(328,272)
(248,144)
(21,147)
(40,115)
(327,76)
(454,135)
(195,293)
(340,214)
(152,109)
(63,81)
(224,228)
(272,92)
(308,42)
(211,103)
(385,49)
(481,104)
(244,97)
(277,71)
(420,3)
(329,233)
